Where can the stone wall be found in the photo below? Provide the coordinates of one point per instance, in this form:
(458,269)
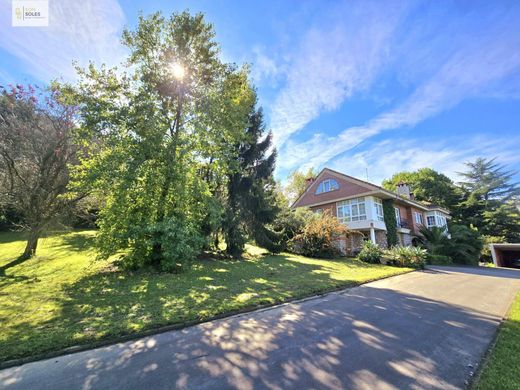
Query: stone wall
(381,239)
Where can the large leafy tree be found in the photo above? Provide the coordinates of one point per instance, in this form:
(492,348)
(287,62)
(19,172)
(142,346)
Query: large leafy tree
(36,150)
(297,183)
(427,185)
(251,202)
(489,196)
(172,114)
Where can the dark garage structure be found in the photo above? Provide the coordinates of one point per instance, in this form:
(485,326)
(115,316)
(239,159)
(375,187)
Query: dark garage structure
(506,255)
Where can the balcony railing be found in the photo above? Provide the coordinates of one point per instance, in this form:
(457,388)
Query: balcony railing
(403,224)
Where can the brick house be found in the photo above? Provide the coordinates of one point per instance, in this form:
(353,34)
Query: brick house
(359,205)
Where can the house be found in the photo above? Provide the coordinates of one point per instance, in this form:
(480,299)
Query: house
(359,205)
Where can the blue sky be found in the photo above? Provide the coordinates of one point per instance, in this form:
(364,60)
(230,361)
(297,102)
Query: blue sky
(383,86)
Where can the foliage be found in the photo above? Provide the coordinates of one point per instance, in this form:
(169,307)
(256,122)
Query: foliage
(500,371)
(319,235)
(485,253)
(36,149)
(251,202)
(435,240)
(70,299)
(462,245)
(465,245)
(162,135)
(427,185)
(370,253)
(489,199)
(390,222)
(291,222)
(297,183)
(439,259)
(407,256)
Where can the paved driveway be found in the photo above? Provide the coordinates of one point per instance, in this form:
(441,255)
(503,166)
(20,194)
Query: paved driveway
(426,329)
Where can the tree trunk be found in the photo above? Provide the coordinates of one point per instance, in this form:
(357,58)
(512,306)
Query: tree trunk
(32,243)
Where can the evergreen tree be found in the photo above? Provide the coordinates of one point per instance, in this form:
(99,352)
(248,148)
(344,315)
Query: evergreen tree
(251,191)
(489,199)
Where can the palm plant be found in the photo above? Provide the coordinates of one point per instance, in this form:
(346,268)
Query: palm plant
(435,240)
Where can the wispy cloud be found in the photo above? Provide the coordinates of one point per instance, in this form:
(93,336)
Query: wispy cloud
(478,68)
(383,159)
(332,63)
(78,31)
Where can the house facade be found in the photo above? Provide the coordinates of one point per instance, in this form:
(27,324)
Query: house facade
(359,205)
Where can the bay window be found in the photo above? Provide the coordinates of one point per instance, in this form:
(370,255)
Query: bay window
(351,210)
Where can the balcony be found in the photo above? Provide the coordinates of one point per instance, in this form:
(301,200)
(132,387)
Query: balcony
(403,224)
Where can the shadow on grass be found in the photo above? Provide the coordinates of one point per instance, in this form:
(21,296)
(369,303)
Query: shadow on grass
(110,304)
(367,338)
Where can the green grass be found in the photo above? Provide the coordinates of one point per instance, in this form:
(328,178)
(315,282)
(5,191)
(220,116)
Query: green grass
(64,297)
(502,368)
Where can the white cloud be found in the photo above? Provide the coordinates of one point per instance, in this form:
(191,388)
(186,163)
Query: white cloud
(78,31)
(447,156)
(470,72)
(331,64)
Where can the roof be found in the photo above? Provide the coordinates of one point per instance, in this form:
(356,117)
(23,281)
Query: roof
(505,245)
(391,194)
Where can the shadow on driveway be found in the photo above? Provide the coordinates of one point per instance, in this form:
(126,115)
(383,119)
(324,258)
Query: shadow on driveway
(366,337)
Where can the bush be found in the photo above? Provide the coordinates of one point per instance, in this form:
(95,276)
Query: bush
(318,237)
(370,253)
(461,243)
(290,223)
(407,256)
(485,253)
(466,245)
(439,260)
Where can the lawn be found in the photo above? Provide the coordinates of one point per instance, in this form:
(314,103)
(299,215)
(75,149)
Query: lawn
(65,297)
(501,370)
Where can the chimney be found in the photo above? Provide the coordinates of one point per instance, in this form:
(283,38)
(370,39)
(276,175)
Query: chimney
(403,190)
(412,196)
(309,181)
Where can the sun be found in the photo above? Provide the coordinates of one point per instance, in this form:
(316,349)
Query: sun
(177,71)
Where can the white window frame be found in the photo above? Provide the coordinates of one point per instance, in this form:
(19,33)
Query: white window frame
(351,210)
(428,220)
(418,218)
(397,212)
(327,185)
(378,207)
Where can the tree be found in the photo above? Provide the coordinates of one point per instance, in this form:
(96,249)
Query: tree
(489,196)
(251,191)
(297,183)
(165,128)
(36,149)
(427,185)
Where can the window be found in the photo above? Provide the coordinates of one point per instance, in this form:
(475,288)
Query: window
(418,218)
(397,216)
(441,221)
(352,210)
(318,211)
(378,205)
(430,220)
(327,186)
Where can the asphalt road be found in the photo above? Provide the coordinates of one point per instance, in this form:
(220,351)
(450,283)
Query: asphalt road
(426,329)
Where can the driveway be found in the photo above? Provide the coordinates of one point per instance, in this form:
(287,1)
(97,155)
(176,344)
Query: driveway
(426,329)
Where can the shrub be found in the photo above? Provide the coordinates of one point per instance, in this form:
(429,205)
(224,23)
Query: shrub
(462,244)
(485,252)
(439,260)
(407,256)
(466,245)
(289,223)
(370,253)
(318,237)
